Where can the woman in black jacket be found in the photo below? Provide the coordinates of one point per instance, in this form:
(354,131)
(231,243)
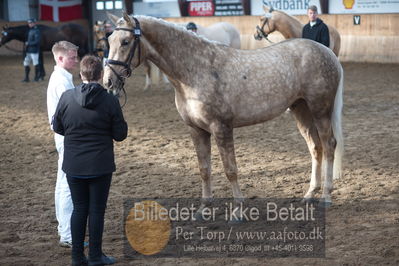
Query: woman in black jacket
(90,119)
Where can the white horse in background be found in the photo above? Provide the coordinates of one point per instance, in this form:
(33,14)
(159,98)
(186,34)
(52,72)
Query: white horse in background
(222,32)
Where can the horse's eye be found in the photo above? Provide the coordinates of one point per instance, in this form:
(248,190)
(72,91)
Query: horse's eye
(125,42)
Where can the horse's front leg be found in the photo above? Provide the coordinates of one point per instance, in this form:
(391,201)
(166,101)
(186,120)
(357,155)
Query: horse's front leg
(147,70)
(225,141)
(202,143)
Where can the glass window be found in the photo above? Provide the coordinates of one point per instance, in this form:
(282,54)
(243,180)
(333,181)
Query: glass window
(109,5)
(100,5)
(118,5)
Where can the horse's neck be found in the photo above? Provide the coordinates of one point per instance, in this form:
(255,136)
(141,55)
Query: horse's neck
(20,33)
(178,53)
(288,26)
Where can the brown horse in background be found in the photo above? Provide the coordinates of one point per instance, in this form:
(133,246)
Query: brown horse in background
(289,27)
(219,88)
(71,32)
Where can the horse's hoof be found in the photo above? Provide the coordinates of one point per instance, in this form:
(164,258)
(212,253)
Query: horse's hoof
(236,221)
(325,204)
(308,200)
(198,216)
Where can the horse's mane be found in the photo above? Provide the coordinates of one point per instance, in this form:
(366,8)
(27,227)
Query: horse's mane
(285,15)
(177,27)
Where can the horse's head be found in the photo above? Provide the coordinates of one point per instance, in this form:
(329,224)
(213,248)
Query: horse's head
(267,24)
(124,53)
(98,29)
(99,34)
(5,35)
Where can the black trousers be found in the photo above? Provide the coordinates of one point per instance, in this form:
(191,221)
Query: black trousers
(89,197)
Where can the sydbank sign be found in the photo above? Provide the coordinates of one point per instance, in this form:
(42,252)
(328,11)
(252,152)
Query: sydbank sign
(292,7)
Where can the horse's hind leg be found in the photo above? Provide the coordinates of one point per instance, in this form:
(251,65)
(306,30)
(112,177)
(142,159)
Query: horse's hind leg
(309,132)
(225,142)
(328,141)
(202,143)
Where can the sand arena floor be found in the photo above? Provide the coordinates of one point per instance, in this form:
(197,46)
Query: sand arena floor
(158,160)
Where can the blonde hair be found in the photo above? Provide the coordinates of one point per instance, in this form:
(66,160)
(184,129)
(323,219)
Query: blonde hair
(62,47)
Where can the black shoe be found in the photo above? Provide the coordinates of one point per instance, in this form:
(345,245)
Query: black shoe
(27,70)
(37,73)
(80,262)
(104,260)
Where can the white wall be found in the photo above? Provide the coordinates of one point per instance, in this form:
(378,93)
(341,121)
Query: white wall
(18,10)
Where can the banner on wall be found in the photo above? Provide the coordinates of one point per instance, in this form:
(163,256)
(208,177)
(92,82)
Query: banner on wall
(214,7)
(60,10)
(363,6)
(291,7)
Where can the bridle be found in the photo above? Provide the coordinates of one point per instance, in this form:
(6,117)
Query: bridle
(261,32)
(136,31)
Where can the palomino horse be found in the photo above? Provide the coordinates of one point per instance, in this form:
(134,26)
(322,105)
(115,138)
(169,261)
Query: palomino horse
(218,88)
(289,27)
(99,38)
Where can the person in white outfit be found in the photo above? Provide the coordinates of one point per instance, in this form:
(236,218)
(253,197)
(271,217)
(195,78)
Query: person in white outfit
(66,59)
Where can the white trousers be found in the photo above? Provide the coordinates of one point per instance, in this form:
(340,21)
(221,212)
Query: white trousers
(63,200)
(31,58)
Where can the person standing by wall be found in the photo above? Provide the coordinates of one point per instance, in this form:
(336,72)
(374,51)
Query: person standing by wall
(61,80)
(90,119)
(32,49)
(316,29)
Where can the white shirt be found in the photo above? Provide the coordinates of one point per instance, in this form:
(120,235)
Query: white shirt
(312,23)
(60,81)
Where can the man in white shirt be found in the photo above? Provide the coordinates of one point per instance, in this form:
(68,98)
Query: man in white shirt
(66,58)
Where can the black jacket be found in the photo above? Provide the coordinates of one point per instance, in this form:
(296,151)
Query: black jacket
(33,40)
(90,119)
(319,32)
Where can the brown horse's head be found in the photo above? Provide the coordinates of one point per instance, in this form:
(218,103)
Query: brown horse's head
(5,35)
(125,52)
(267,24)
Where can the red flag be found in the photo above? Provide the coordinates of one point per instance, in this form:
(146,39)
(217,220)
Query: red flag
(60,10)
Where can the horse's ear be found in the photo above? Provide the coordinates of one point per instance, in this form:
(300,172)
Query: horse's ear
(266,8)
(112,17)
(127,17)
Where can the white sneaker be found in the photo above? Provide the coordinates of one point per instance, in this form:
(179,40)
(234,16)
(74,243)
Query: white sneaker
(65,244)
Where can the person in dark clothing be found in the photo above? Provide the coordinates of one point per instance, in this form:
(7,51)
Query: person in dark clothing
(316,30)
(191,26)
(32,50)
(90,119)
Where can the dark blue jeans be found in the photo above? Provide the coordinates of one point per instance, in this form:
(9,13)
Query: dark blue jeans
(89,197)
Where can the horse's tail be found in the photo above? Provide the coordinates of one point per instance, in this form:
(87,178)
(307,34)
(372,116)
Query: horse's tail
(337,126)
